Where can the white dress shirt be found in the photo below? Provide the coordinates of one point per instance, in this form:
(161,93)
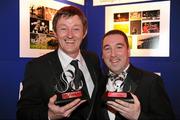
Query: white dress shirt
(65,62)
(111,113)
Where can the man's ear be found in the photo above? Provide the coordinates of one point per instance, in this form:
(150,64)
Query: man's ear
(102,56)
(85,33)
(129,52)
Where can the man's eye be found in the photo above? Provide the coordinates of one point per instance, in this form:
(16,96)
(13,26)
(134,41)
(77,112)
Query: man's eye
(62,29)
(119,46)
(76,29)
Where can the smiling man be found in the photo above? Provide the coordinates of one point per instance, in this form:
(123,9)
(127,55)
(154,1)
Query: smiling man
(150,100)
(39,99)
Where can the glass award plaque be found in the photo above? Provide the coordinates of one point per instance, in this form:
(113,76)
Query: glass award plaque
(68,88)
(114,90)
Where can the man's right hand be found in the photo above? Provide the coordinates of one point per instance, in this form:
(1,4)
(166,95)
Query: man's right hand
(58,112)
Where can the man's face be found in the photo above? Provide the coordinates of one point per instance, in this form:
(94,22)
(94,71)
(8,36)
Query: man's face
(69,32)
(115,53)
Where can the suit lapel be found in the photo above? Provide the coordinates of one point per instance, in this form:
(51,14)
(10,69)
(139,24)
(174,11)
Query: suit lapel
(130,85)
(55,67)
(132,80)
(55,63)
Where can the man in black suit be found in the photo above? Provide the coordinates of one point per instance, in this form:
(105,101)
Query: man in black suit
(38,97)
(150,101)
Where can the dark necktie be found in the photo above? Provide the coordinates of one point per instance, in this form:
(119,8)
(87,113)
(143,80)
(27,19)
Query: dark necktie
(79,77)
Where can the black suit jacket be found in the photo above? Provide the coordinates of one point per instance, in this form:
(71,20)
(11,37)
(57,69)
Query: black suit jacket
(149,89)
(38,87)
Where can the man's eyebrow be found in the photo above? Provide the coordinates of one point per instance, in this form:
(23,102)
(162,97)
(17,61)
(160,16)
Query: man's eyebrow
(106,46)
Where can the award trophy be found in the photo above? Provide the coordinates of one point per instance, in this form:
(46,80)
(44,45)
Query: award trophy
(114,90)
(68,88)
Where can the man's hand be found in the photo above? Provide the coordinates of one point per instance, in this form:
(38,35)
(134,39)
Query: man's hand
(130,111)
(58,112)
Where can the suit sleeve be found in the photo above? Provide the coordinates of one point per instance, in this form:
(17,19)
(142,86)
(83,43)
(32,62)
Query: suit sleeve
(31,106)
(159,107)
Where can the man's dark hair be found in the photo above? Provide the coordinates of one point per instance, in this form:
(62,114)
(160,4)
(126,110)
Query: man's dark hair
(119,32)
(69,11)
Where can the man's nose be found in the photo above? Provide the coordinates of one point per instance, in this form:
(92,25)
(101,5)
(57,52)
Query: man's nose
(113,52)
(69,34)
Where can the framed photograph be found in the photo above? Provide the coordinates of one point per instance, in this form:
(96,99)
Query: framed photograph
(36,33)
(145,24)
(109,2)
(80,2)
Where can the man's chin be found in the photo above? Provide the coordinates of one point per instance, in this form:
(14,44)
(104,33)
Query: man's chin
(115,69)
(72,52)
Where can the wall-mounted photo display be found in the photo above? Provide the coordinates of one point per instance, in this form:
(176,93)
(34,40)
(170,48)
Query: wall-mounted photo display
(145,24)
(110,2)
(36,34)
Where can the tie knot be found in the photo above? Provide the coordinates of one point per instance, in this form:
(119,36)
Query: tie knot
(74,63)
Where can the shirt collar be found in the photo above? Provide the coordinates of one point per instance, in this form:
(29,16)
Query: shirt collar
(65,59)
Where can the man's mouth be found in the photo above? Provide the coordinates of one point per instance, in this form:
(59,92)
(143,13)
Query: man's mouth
(115,60)
(69,41)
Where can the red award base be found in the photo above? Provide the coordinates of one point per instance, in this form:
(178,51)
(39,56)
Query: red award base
(66,97)
(125,96)
(69,95)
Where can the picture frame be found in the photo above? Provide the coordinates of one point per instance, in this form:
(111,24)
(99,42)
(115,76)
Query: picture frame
(146,25)
(110,2)
(36,33)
